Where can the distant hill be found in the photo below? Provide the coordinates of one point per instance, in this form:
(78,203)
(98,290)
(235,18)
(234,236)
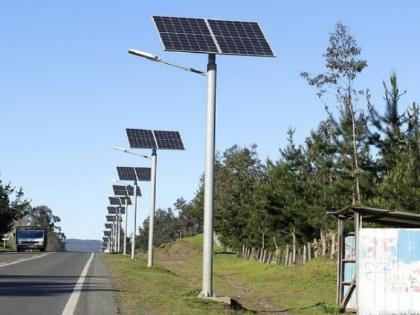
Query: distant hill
(76,245)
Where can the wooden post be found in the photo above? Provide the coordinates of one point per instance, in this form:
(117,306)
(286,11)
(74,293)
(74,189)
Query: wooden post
(332,252)
(309,251)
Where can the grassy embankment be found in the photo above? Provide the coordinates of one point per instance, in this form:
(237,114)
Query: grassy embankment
(172,287)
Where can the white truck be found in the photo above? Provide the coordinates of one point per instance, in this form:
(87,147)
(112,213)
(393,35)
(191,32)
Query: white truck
(30,237)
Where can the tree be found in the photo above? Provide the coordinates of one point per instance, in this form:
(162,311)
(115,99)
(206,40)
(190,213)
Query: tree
(42,216)
(237,219)
(166,229)
(343,63)
(389,136)
(10,210)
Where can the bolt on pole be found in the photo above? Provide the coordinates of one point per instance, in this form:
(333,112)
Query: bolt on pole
(133,241)
(152,209)
(207,288)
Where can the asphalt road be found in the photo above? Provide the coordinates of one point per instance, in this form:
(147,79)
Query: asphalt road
(55,283)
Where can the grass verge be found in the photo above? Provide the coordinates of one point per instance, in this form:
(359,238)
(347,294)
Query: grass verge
(171,287)
(156,291)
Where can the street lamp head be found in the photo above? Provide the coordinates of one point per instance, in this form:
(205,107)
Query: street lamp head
(144,54)
(120,149)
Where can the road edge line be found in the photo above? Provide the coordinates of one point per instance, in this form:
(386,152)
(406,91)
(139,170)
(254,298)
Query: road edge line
(23,260)
(74,297)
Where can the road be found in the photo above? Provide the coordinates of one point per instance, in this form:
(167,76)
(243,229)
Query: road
(55,283)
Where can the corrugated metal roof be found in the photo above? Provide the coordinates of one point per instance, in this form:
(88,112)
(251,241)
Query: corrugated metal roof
(381,216)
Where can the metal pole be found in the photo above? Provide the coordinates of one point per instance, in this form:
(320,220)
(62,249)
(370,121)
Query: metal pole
(113,237)
(152,209)
(125,230)
(207,288)
(118,229)
(133,241)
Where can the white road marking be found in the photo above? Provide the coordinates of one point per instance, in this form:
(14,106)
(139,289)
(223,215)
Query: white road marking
(74,297)
(23,259)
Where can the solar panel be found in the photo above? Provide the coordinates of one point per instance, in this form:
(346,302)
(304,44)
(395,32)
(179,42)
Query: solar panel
(240,38)
(110,218)
(141,138)
(124,199)
(143,173)
(168,140)
(126,173)
(114,201)
(185,34)
(108,225)
(130,190)
(212,36)
(111,210)
(107,233)
(114,210)
(119,190)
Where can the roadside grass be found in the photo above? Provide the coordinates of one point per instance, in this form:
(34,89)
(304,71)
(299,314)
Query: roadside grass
(2,250)
(171,287)
(156,291)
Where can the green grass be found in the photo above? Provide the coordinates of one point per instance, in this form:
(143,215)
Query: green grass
(196,240)
(5,250)
(260,289)
(156,291)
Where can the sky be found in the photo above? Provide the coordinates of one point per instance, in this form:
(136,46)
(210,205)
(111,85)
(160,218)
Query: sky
(69,89)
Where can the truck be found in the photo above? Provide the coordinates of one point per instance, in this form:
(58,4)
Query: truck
(30,237)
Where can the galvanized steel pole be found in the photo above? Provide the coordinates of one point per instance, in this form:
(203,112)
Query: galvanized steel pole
(152,209)
(207,286)
(133,241)
(125,230)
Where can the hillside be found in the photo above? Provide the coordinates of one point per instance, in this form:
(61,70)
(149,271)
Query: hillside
(76,245)
(256,288)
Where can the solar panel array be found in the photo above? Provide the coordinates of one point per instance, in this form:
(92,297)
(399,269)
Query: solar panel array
(126,173)
(168,140)
(130,190)
(121,190)
(141,138)
(112,218)
(184,34)
(111,210)
(124,199)
(162,140)
(114,210)
(114,201)
(212,36)
(143,173)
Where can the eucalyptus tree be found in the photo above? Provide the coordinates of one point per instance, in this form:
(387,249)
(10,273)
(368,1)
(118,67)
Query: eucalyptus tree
(343,64)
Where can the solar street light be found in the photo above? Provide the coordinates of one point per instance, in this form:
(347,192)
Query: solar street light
(153,139)
(134,174)
(208,36)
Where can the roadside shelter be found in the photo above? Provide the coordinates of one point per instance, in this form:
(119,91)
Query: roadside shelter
(378,266)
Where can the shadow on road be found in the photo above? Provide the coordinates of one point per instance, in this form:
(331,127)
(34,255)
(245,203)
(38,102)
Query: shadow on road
(21,285)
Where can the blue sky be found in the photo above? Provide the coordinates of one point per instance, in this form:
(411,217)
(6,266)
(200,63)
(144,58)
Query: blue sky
(68,90)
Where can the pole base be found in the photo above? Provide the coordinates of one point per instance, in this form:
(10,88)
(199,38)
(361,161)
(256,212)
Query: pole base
(219,299)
